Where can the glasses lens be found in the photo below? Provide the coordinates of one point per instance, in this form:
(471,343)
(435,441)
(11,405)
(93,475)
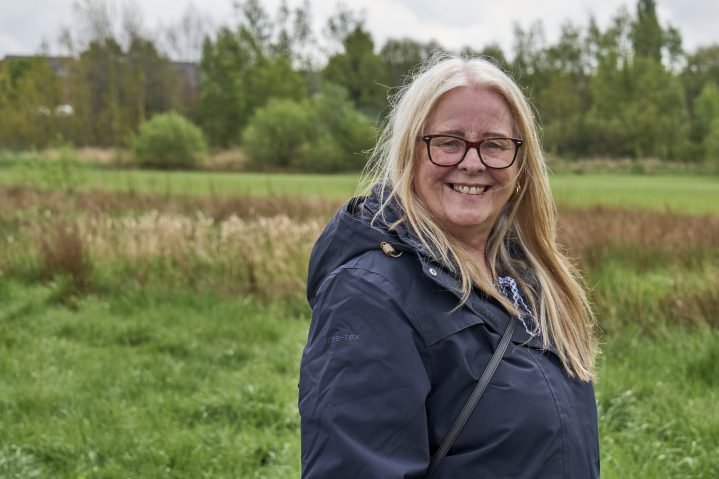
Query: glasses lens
(497,152)
(445,150)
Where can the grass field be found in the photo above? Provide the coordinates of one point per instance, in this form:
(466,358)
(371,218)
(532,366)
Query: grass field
(154,385)
(155,330)
(683,193)
(136,384)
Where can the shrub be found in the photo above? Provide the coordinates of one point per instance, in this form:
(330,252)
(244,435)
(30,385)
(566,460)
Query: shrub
(711,146)
(168,140)
(351,130)
(63,252)
(279,134)
(325,135)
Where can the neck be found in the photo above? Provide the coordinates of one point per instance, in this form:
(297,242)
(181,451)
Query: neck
(478,251)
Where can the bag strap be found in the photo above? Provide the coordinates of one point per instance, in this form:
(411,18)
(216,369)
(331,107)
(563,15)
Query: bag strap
(469,406)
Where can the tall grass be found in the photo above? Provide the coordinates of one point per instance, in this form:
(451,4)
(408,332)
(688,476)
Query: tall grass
(663,268)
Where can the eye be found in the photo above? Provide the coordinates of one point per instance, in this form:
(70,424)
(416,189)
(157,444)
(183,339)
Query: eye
(497,144)
(447,143)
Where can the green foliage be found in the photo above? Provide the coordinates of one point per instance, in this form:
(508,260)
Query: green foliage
(657,118)
(242,69)
(62,172)
(168,140)
(711,146)
(351,132)
(627,90)
(29,95)
(114,90)
(206,386)
(401,56)
(647,34)
(706,110)
(358,70)
(702,67)
(325,135)
(279,133)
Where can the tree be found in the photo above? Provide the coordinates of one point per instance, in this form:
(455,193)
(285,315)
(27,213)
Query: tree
(495,54)
(565,97)
(29,94)
(401,56)
(241,70)
(325,134)
(706,114)
(657,117)
(185,38)
(360,71)
(647,35)
(529,63)
(223,98)
(711,146)
(114,90)
(702,67)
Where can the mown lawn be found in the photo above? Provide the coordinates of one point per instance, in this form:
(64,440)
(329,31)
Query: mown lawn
(682,193)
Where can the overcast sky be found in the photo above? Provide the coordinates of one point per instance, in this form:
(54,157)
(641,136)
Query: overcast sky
(24,24)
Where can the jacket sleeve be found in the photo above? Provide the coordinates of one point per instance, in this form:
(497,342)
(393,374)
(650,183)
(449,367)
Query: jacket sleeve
(363,383)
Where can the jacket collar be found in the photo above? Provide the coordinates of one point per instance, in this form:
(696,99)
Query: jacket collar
(484,306)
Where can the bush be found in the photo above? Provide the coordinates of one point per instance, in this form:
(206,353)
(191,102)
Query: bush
(279,134)
(711,146)
(325,135)
(168,140)
(351,130)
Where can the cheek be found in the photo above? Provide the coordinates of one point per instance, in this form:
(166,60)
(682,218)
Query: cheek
(428,183)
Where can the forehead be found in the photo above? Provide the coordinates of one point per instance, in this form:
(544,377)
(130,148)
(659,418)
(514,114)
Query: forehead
(471,111)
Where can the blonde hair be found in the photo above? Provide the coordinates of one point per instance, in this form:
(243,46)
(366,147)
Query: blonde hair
(527,222)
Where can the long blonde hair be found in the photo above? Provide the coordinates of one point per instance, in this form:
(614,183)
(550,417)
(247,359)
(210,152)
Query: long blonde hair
(527,222)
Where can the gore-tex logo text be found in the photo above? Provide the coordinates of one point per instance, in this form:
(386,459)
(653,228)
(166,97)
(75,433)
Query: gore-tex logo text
(342,337)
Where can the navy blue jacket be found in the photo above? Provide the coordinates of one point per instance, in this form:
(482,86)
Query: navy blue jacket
(388,365)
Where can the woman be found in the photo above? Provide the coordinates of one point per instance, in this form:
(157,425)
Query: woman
(413,286)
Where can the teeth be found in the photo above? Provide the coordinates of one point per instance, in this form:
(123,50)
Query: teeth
(469,190)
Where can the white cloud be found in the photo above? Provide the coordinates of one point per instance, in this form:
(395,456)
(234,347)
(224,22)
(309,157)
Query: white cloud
(453,23)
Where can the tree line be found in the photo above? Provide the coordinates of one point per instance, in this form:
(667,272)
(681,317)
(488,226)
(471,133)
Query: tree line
(627,90)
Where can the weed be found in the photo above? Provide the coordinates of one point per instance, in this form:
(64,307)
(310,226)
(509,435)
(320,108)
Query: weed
(63,251)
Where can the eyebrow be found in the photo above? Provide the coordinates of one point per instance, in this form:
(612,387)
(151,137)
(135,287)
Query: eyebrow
(460,133)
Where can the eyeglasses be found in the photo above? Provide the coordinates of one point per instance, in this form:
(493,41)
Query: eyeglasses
(497,153)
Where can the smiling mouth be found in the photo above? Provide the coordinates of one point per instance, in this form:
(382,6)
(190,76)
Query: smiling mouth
(469,190)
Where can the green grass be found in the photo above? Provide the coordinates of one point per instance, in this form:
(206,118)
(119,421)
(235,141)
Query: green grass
(44,175)
(657,400)
(143,384)
(689,194)
(685,193)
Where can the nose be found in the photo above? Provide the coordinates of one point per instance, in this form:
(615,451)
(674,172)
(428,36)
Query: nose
(471,162)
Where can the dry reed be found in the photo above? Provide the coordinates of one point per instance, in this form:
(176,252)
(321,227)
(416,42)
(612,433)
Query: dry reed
(589,233)
(261,246)
(18,199)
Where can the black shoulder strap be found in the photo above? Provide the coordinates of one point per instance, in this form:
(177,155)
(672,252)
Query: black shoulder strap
(472,401)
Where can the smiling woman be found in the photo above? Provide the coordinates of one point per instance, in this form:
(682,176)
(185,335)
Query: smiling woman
(430,272)
(453,180)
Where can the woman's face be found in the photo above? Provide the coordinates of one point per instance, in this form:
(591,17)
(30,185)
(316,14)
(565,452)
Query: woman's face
(466,198)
